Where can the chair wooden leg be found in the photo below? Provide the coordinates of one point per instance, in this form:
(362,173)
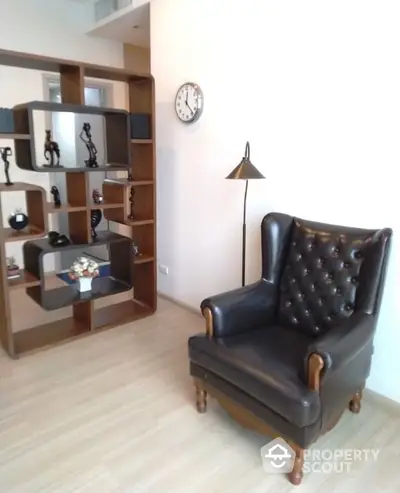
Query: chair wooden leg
(355,403)
(296,475)
(201,397)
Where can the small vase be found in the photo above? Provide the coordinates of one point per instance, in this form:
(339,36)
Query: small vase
(84,284)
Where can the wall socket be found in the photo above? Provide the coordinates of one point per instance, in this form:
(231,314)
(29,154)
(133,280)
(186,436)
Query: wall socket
(163,269)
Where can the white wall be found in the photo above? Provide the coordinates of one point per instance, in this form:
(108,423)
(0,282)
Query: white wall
(56,29)
(315,87)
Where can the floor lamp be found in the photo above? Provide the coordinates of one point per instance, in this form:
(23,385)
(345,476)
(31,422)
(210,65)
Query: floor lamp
(245,171)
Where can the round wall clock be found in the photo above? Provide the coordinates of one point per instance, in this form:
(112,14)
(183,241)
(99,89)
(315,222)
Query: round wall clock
(189,102)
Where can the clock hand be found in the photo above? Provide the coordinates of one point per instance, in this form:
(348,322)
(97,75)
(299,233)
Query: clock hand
(187,104)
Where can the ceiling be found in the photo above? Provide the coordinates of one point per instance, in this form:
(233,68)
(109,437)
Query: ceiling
(131,27)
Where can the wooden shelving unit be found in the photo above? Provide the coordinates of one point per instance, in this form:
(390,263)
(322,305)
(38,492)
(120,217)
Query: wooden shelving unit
(137,157)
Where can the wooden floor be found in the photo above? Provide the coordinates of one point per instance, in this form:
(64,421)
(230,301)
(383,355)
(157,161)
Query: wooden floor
(114,413)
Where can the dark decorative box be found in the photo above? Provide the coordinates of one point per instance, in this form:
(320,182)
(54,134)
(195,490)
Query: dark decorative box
(140,126)
(6,121)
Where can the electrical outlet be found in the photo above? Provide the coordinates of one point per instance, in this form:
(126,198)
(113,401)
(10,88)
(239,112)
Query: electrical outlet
(163,269)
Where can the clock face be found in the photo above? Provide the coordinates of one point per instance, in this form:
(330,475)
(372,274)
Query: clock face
(189,102)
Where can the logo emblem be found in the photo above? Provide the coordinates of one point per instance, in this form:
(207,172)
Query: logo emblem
(277,456)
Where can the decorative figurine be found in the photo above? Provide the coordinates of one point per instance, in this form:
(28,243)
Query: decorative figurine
(131,216)
(86,137)
(136,252)
(97,197)
(57,239)
(95,218)
(51,149)
(84,270)
(18,220)
(13,271)
(56,196)
(5,153)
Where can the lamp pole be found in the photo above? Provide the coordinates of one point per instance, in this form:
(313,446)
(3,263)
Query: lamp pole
(244,236)
(245,171)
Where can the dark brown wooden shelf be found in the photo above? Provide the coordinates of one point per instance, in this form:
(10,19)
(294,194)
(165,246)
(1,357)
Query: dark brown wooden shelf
(136,158)
(143,259)
(21,187)
(128,183)
(15,136)
(120,313)
(107,205)
(26,280)
(103,238)
(120,279)
(29,233)
(51,208)
(81,169)
(41,336)
(142,141)
(141,222)
(53,299)
(116,135)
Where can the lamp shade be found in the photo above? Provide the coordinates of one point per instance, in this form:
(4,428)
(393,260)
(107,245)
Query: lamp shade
(245,170)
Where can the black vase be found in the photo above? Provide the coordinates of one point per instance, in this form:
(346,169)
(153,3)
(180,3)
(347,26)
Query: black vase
(18,221)
(95,218)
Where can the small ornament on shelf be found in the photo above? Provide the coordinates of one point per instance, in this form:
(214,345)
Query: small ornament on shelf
(18,220)
(5,153)
(97,197)
(84,270)
(57,239)
(131,216)
(86,138)
(136,251)
(51,149)
(56,196)
(95,218)
(13,271)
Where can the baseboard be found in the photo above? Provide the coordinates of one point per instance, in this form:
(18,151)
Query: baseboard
(180,304)
(390,406)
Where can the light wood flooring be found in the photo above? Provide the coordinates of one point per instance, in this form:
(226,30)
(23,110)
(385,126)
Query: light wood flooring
(115,413)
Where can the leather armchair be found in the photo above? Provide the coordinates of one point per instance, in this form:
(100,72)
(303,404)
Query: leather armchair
(289,353)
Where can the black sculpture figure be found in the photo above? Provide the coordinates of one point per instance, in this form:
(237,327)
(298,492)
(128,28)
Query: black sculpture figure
(56,196)
(86,137)
(5,153)
(97,197)
(95,218)
(131,216)
(51,149)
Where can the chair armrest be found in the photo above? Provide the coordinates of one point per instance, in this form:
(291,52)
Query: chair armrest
(341,344)
(240,310)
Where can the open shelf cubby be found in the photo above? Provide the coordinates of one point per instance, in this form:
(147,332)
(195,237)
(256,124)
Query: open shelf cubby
(120,277)
(116,129)
(126,291)
(35,198)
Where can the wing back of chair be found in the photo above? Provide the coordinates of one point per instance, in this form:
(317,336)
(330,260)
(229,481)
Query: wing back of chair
(325,272)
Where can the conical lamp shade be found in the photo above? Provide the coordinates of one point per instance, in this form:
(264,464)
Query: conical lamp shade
(245,170)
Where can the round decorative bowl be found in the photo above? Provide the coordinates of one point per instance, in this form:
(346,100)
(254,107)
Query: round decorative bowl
(18,221)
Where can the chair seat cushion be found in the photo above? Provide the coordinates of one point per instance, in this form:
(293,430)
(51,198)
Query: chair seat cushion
(266,364)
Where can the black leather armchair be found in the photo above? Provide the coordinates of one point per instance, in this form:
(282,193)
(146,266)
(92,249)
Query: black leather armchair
(289,353)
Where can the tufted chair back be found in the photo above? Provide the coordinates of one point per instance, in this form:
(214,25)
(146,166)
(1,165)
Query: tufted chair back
(327,272)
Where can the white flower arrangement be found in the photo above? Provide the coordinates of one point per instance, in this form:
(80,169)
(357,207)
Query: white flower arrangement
(83,267)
